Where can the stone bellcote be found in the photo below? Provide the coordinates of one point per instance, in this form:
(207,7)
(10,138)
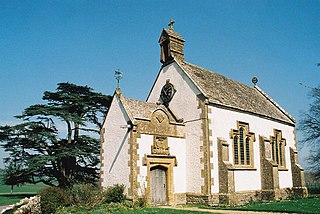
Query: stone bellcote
(171,44)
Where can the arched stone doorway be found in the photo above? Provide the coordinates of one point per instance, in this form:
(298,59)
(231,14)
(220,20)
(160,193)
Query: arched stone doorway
(160,188)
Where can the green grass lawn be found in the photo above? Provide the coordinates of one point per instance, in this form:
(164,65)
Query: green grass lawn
(161,211)
(12,199)
(27,188)
(305,205)
(18,193)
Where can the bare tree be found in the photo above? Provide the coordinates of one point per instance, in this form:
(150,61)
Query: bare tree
(310,126)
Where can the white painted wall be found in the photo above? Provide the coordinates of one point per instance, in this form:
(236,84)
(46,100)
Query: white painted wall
(178,148)
(185,105)
(145,142)
(116,146)
(222,121)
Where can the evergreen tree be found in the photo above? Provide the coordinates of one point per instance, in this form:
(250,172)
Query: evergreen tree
(38,144)
(12,175)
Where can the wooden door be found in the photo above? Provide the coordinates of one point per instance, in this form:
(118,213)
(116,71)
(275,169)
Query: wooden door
(158,185)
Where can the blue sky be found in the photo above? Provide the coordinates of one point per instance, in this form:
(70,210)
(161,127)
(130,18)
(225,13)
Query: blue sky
(45,42)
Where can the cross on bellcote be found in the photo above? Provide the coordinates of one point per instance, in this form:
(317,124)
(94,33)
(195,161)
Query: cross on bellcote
(171,24)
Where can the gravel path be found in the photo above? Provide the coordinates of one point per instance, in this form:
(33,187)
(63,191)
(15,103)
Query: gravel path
(3,207)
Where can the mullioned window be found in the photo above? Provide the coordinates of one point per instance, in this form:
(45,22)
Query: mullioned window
(278,148)
(242,145)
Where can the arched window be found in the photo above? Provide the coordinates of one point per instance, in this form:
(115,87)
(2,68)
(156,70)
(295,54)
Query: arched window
(235,150)
(278,148)
(248,151)
(242,145)
(273,149)
(280,154)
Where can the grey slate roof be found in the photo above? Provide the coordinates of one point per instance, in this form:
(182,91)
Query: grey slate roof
(226,92)
(143,110)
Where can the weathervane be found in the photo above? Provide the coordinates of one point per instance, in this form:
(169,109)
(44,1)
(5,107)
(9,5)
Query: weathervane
(171,24)
(118,75)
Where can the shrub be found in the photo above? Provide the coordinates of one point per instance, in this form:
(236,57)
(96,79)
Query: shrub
(140,203)
(82,198)
(313,189)
(85,195)
(117,207)
(75,209)
(52,198)
(100,208)
(115,194)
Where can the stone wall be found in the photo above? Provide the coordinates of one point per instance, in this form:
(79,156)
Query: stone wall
(244,197)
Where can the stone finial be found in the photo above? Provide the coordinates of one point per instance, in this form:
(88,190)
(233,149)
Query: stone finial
(254,80)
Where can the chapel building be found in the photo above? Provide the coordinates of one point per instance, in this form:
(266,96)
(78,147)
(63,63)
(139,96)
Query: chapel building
(199,138)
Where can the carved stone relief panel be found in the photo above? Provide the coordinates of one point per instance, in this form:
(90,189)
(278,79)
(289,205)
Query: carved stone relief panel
(160,146)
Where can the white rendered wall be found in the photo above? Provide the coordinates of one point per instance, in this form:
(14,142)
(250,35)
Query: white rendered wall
(115,147)
(185,105)
(177,148)
(145,142)
(222,121)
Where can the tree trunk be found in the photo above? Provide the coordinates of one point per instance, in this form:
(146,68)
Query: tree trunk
(76,132)
(68,165)
(69,132)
